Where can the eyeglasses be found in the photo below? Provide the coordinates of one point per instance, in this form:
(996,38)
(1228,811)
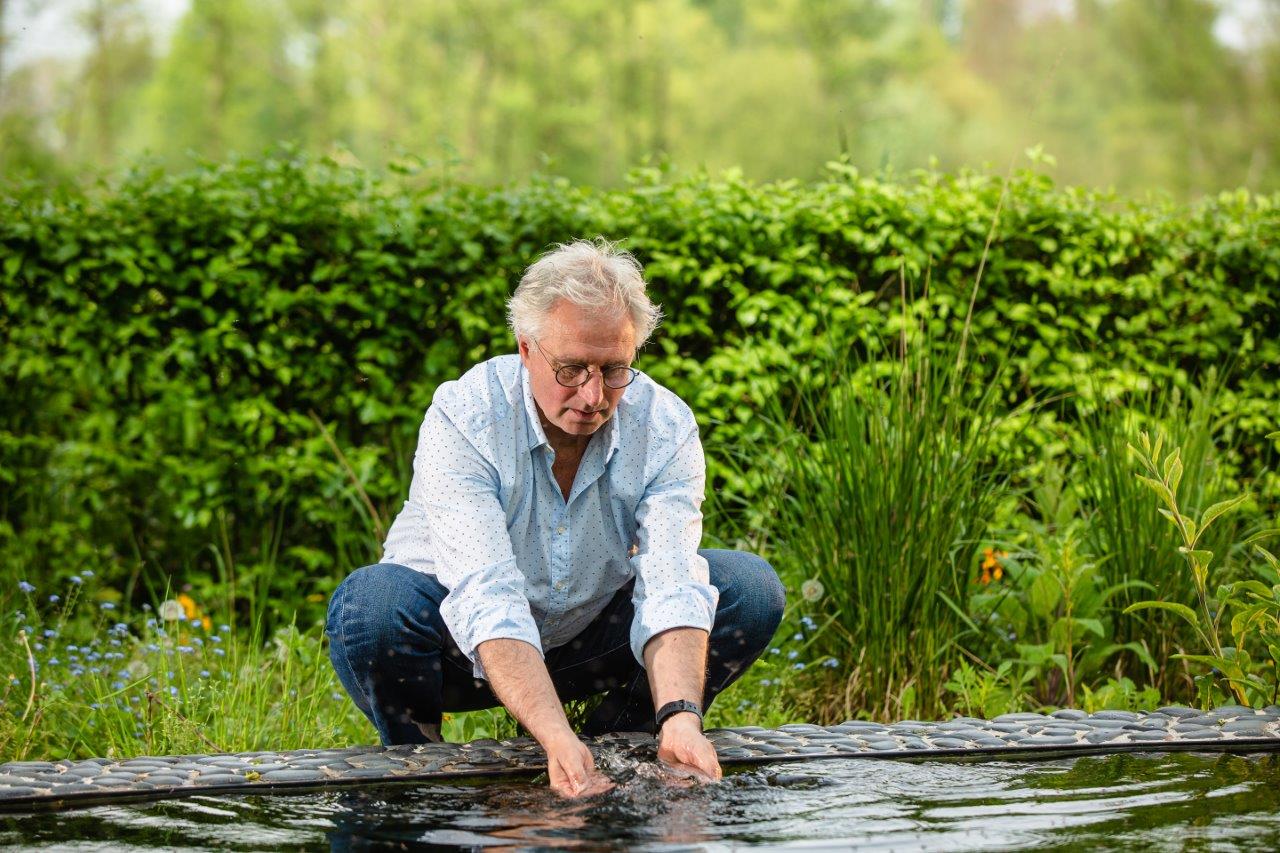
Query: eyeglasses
(576,375)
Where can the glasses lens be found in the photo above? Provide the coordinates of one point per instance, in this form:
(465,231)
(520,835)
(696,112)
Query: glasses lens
(571,375)
(619,377)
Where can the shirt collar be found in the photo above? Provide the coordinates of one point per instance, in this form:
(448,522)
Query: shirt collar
(537,437)
(533,424)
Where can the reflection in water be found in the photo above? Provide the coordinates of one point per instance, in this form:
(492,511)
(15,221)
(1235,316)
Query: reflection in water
(1124,801)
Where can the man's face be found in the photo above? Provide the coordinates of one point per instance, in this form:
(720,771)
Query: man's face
(575,335)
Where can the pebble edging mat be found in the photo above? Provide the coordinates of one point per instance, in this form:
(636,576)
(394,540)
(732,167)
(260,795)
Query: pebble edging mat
(27,785)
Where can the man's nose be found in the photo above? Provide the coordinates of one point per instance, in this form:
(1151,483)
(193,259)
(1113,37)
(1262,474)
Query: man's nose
(592,391)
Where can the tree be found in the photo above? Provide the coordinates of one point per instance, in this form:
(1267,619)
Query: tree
(225,85)
(118,63)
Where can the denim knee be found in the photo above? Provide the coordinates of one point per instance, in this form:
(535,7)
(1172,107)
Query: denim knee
(382,600)
(363,588)
(750,590)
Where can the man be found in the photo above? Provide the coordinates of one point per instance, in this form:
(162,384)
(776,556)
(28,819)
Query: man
(548,549)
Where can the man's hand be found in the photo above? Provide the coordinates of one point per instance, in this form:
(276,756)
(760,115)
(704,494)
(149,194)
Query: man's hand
(676,660)
(683,747)
(572,769)
(520,680)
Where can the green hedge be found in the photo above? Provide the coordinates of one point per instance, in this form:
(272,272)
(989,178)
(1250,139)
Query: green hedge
(164,342)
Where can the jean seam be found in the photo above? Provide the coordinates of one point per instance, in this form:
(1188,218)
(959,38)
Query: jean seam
(342,633)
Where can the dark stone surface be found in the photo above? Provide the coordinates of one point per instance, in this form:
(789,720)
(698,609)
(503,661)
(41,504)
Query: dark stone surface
(29,784)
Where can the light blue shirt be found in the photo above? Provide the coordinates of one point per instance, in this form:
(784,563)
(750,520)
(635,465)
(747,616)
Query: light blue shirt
(486,517)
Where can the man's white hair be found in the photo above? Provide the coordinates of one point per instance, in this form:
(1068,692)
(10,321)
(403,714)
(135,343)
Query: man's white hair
(590,274)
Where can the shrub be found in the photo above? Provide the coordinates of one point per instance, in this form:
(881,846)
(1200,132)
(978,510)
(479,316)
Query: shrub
(168,343)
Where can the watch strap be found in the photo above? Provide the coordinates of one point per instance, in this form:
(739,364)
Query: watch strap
(675,708)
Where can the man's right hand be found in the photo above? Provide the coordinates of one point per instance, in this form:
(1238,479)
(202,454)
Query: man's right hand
(520,680)
(572,769)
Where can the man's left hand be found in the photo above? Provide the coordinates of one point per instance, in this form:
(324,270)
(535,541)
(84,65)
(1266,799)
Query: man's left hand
(684,748)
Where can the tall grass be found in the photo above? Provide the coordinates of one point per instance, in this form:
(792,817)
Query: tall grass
(1123,517)
(82,679)
(880,495)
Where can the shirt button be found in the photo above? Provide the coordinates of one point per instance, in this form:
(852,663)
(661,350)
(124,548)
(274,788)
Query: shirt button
(560,585)
(560,529)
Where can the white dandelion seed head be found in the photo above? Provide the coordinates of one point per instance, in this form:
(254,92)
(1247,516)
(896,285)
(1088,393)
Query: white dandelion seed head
(811,590)
(171,611)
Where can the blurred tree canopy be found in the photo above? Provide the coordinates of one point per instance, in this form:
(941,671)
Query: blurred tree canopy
(1136,94)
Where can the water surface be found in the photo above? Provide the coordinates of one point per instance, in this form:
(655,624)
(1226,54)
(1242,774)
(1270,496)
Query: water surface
(1174,801)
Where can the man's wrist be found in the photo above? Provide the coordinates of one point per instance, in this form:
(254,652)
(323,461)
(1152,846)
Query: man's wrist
(688,712)
(684,720)
(550,734)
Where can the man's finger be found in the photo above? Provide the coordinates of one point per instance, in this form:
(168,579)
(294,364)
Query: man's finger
(710,759)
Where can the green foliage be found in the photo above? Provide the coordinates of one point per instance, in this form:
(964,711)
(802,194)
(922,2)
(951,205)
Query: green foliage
(1054,618)
(493,723)
(1254,606)
(1120,694)
(1139,95)
(1140,545)
(986,693)
(82,680)
(165,342)
(878,492)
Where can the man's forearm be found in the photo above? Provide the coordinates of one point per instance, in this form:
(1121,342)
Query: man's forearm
(676,661)
(520,680)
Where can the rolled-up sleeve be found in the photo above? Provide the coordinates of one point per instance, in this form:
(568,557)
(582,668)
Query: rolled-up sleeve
(672,587)
(457,492)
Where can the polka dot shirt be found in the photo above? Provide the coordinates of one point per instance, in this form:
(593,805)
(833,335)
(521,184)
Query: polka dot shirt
(486,517)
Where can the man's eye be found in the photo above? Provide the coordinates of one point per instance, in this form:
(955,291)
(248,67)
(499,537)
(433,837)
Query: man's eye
(572,371)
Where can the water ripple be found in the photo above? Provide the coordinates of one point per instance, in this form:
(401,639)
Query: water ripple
(1126,801)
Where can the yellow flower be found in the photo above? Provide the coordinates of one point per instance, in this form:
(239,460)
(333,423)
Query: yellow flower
(188,605)
(316,597)
(992,568)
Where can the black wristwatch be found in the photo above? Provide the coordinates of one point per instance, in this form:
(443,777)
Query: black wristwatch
(675,708)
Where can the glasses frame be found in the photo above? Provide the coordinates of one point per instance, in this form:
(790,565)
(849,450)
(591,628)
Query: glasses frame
(587,376)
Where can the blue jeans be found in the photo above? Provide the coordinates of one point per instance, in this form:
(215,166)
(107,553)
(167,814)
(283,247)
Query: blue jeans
(394,655)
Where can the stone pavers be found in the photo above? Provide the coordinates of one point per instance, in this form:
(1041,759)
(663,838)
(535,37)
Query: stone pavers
(54,784)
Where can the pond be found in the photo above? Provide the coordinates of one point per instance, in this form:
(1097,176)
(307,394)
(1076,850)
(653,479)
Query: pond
(1122,801)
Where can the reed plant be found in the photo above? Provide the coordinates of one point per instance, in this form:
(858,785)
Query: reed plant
(880,499)
(1140,547)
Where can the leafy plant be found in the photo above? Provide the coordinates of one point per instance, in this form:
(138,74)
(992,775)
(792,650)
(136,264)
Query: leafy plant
(1257,607)
(1120,694)
(1054,616)
(987,692)
(1139,545)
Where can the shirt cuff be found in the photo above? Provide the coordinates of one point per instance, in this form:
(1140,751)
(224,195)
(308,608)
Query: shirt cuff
(502,621)
(690,605)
